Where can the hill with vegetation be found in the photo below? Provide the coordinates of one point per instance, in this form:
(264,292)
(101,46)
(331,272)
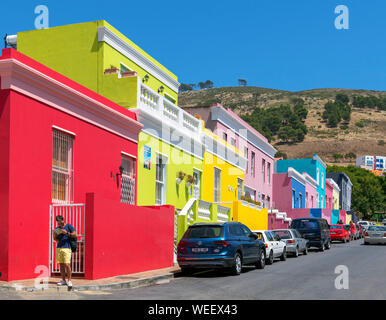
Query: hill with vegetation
(337,124)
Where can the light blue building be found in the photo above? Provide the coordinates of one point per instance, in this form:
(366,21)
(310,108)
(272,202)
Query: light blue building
(314,166)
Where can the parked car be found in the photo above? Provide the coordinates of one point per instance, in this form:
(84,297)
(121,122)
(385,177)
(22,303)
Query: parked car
(228,245)
(347,227)
(274,247)
(338,232)
(315,230)
(375,234)
(295,243)
(384,222)
(364,224)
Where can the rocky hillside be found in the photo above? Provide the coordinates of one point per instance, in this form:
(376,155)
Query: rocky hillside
(364,134)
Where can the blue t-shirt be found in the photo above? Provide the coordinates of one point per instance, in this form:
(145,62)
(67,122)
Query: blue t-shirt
(64,239)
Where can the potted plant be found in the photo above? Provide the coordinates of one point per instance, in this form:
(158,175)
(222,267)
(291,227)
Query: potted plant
(180,177)
(129,74)
(112,70)
(189,180)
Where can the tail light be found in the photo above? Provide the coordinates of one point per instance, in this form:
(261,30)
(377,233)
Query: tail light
(222,243)
(181,244)
(291,241)
(265,245)
(384,235)
(366,234)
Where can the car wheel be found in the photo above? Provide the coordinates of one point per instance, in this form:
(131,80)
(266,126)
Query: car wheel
(344,240)
(328,245)
(260,264)
(237,264)
(270,258)
(284,255)
(185,271)
(365,243)
(296,253)
(321,248)
(305,252)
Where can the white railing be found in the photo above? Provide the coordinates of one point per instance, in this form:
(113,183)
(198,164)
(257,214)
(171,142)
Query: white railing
(74,214)
(162,108)
(127,190)
(222,213)
(204,209)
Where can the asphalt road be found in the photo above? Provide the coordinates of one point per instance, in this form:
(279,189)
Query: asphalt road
(306,277)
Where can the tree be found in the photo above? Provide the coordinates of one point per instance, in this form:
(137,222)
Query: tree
(242,82)
(185,87)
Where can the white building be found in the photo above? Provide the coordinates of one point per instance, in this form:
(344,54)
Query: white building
(371,162)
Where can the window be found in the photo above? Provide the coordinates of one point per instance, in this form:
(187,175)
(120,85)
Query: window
(253,164)
(246,157)
(293,198)
(321,202)
(317,175)
(312,202)
(239,188)
(263,200)
(268,173)
(306,199)
(322,180)
(217,184)
(123,69)
(128,180)
(62,167)
(197,184)
(263,169)
(233,142)
(160,192)
(300,200)
(225,136)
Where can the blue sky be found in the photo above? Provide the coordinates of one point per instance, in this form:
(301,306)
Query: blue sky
(282,44)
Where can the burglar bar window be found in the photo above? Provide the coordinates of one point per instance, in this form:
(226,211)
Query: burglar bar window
(62,167)
(128,180)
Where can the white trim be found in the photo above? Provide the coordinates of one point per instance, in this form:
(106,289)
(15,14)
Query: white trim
(310,180)
(317,158)
(63,130)
(128,155)
(220,111)
(334,184)
(292,173)
(32,83)
(162,155)
(123,47)
(218,156)
(194,168)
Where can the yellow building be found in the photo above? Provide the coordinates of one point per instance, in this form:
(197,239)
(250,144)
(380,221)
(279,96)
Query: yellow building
(335,194)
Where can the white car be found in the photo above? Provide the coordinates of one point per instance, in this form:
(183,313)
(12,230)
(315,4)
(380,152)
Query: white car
(364,224)
(274,247)
(375,234)
(384,222)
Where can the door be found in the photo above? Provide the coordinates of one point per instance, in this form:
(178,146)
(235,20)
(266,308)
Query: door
(74,214)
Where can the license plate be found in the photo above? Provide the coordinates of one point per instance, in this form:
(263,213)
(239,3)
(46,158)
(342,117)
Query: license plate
(376,234)
(197,250)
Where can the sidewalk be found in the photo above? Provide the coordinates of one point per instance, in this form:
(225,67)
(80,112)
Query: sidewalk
(124,281)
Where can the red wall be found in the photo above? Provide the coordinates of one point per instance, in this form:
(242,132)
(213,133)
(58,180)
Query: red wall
(275,223)
(123,239)
(4,180)
(298,213)
(342,216)
(97,154)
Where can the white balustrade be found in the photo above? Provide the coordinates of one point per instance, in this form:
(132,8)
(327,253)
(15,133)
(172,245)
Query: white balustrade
(203,210)
(222,213)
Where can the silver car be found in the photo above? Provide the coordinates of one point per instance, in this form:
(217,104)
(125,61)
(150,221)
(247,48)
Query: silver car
(294,240)
(375,234)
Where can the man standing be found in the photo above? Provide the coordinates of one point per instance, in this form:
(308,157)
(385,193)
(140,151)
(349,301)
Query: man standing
(62,234)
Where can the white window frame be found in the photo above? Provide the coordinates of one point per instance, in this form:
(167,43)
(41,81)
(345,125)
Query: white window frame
(60,138)
(128,180)
(217,185)
(163,183)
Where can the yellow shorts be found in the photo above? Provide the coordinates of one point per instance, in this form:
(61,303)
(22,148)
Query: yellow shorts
(63,255)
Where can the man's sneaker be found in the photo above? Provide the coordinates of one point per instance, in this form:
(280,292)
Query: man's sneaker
(69,283)
(62,283)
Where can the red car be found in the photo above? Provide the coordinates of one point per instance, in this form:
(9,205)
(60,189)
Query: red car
(337,232)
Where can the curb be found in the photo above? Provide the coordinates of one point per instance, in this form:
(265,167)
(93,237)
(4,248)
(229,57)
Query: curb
(97,287)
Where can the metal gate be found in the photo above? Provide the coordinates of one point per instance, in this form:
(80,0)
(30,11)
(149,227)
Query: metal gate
(74,214)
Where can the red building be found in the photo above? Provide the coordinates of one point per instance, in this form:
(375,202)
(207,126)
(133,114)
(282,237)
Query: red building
(62,145)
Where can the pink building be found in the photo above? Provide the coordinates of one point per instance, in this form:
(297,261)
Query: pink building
(311,191)
(257,150)
(329,192)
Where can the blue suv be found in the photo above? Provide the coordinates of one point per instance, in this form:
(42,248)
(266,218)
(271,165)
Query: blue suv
(228,245)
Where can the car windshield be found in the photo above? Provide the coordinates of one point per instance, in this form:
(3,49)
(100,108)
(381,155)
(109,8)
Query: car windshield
(204,232)
(283,234)
(377,228)
(335,227)
(305,224)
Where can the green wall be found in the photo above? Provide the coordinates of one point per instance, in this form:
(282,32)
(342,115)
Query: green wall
(176,194)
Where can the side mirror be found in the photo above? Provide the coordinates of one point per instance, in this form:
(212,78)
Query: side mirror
(253,235)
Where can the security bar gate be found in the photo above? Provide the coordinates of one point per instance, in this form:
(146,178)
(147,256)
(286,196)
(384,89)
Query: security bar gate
(74,214)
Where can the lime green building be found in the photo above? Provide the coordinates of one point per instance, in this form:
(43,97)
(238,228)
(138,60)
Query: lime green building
(98,56)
